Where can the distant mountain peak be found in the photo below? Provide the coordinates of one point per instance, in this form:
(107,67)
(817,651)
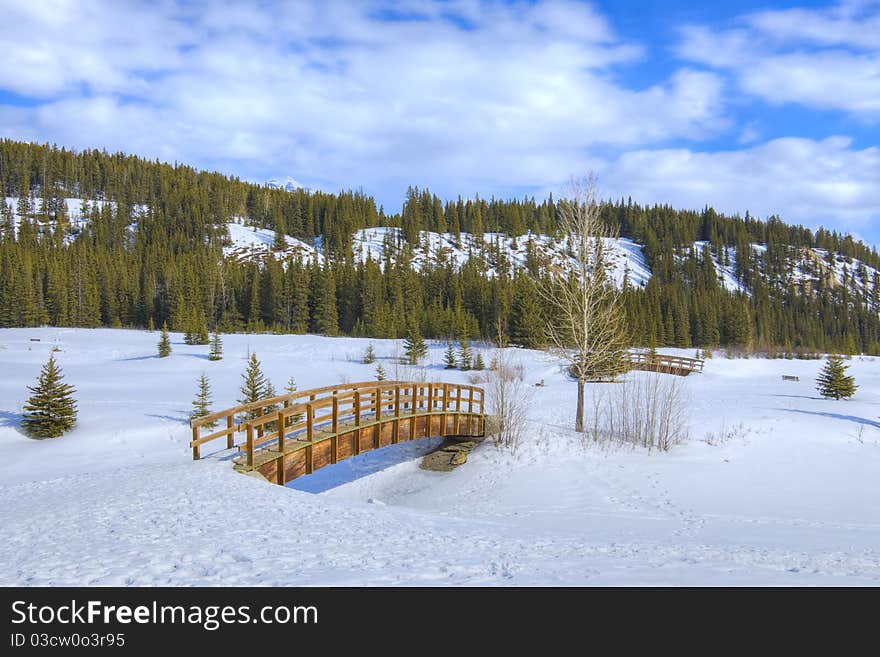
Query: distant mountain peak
(288,184)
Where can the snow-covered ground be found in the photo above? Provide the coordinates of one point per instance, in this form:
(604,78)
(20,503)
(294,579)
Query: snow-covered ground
(790,498)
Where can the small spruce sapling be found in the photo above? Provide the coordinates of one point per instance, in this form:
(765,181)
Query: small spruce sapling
(201,405)
(51,410)
(216,346)
(164,342)
(833,382)
(450,360)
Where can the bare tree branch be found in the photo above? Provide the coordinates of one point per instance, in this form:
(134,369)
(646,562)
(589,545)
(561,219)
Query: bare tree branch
(586,328)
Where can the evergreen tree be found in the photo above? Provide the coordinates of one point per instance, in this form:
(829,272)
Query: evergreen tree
(164,342)
(380,372)
(479,364)
(200,335)
(51,410)
(833,382)
(254,385)
(290,388)
(450,360)
(369,354)
(465,355)
(414,345)
(202,403)
(216,346)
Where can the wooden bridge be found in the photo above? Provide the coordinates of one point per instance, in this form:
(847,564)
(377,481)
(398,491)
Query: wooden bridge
(292,435)
(666,364)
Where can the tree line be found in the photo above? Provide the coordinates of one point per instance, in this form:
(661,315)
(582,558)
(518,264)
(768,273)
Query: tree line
(150,254)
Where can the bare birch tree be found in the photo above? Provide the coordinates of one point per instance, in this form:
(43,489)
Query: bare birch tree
(586,326)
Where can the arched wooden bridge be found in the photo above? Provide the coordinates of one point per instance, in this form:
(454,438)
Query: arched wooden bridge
(678,365)
(292,435)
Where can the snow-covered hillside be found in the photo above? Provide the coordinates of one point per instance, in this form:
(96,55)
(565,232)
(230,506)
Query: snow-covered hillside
(249,242)
(789,498)
(624,255)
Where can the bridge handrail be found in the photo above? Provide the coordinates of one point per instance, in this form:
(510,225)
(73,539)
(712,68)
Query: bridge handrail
(355,398)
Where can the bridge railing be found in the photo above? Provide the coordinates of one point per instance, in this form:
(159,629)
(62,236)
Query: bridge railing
(665,363)
(303,415)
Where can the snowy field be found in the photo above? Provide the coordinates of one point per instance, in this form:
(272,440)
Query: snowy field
(791,498)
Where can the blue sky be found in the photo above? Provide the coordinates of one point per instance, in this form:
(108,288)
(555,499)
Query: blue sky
(771,107)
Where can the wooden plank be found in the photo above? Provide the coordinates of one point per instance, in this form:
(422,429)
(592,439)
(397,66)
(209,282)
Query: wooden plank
(282,420)
(230,427)
(195,443)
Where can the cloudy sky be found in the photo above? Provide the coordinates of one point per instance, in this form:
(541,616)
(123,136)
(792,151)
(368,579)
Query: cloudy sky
(771,107)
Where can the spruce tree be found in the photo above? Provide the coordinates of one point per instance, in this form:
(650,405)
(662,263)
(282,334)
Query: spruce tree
(202,403)
(380,372)
(414,345)
(833,382)
(200,333)
(450,360)
(216,346)
(164,342)
(254,385)
(370,354)
(51,410)
(465,355)
(290,388)
(479,364)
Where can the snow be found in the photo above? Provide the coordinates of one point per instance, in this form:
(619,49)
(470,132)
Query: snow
(288,184)
(789,499)
(624,255)
(77,215)
(248,242)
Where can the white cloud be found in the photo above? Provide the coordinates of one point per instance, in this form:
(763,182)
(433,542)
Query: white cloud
(801,180)
(819,58)
(333,94)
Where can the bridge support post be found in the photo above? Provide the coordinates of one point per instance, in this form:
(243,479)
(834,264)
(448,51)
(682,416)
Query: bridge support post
(250,445)
(281,429)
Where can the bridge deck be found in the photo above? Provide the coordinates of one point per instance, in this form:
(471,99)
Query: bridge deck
(314,428)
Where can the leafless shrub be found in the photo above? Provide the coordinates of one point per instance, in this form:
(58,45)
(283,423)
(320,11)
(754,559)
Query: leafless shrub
(649,411)
(507,399)
(726,434)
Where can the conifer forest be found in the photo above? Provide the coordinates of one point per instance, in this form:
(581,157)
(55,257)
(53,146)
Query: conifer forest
(149,251)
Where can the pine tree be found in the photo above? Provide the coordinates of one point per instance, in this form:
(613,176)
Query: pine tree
(465,355)
(450,360)
(380,372)
(216,346)
(833,382)
(414,345)
(479,364)
(254,385)
(164,342)
(290,388)
(202,403)
(200,334)
(370,354)
(51,410)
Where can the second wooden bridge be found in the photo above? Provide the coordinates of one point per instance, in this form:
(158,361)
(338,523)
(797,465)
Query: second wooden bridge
(292,435)
(662,363)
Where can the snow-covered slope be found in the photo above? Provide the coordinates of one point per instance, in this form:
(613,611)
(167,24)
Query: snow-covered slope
(249,242)
(495,249)
(790,498)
